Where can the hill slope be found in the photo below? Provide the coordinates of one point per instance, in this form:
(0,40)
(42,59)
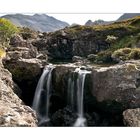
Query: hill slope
(127,16)
(38,22)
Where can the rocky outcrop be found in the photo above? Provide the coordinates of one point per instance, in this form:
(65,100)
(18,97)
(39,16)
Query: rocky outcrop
(85,40)
(110,89)
(24,69)
(117,86)
(132,117)
(26,65)
(12,110)
(64,44)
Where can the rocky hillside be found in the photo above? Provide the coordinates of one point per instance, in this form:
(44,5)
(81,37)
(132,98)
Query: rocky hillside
(97,22)
(98,43)
(121,18)
(127,16)
(42,22)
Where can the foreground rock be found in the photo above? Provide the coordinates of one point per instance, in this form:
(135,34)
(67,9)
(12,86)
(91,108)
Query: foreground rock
(13,115)
(12,110)
(132,117)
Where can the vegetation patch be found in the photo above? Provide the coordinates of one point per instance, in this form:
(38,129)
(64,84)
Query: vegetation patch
(7,30)
(126,54)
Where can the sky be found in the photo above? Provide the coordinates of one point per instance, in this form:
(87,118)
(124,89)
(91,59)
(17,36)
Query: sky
(72,11)
(83,18)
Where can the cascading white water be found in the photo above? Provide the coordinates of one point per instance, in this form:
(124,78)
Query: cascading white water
(81,121)
(42,95)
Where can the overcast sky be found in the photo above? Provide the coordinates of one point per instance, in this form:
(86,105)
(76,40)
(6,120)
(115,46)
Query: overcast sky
(72,11)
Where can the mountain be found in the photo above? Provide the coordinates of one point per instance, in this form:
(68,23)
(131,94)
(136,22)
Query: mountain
(38,22)
(128,15)
(102,22)
(97,22)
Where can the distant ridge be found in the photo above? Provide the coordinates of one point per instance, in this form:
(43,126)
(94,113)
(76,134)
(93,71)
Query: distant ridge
(97,22)
(102,22)
(127,16)
(38,22)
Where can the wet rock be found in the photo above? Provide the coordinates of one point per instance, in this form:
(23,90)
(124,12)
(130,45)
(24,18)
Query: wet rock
(64,117)
(131,117)
(60,80)
(68,117)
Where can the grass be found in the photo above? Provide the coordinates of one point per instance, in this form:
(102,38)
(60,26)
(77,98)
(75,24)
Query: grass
(126,42)
(2,53)
(127,54)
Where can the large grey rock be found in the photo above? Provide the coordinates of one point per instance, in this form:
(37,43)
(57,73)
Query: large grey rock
(118,85)
(111,89)
(77,58)
(131,117)
(24,68)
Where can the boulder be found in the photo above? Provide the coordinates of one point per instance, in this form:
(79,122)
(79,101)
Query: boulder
(77,59)
(131,117)
(91,57)
(24,69)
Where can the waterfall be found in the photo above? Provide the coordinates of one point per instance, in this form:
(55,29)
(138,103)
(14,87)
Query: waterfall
(81,121)
(42,95)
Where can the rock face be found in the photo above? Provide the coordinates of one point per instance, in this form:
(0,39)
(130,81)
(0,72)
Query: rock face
(118,85)
(77,41)
(110,89)
(132,117)
(12,110)
(26,65)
